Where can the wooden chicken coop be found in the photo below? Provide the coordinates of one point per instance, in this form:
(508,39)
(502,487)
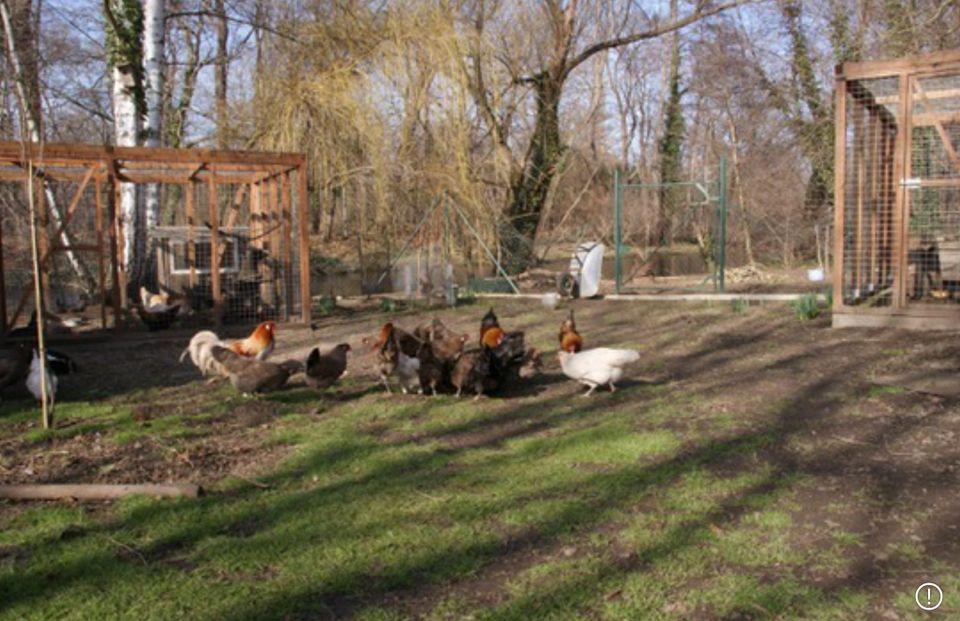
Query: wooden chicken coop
(230,242)
(898,193)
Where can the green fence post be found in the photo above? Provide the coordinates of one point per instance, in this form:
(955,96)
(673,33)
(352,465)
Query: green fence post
(617,238)
(722,248)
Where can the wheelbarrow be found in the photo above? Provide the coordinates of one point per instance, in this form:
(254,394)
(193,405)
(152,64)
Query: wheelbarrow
(582,280)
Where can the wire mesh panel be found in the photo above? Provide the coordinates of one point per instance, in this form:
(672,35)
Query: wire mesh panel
(933,196)
(869,242)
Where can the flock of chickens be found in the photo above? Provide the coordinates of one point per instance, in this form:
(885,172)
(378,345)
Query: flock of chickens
(430,358)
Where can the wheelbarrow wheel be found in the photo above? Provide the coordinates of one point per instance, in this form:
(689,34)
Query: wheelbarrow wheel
(568,286)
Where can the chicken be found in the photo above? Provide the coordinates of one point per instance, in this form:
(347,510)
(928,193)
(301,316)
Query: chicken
(37,383)
(570,339)
(158,317)
(60,363)
(432,368)
(324,370)
(27,331)
(472,370)
(489,321)
(252,375)
(408,343)
(434,331)
(259,344)
(531,364)
(595,367)
(392,361)
(149,299)
(408,372)
(200,353)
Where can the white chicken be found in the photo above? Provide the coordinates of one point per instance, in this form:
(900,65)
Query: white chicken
(596,367)
(408,372)
(34,381)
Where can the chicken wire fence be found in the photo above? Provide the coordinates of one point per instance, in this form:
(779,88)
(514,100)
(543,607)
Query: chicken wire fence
(671,229)
(901,192)
(243,217)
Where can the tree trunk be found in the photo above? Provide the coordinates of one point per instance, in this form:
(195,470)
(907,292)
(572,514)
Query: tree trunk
(671,146)
(26,78)
(125,125)
(124,43)
(153,45)
(221,68)
(529,191)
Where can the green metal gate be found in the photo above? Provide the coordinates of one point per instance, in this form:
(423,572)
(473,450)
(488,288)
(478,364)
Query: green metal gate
(710,203)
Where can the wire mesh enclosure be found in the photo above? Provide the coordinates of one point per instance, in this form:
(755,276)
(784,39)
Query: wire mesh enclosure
(898,193)
(671,229)
(228,241)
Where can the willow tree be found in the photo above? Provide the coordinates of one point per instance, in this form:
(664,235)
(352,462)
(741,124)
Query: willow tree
(567,45)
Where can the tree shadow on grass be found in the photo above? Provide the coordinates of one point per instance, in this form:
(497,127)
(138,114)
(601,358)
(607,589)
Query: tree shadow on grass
(263,518)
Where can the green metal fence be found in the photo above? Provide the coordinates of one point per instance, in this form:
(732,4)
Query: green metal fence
(708,196)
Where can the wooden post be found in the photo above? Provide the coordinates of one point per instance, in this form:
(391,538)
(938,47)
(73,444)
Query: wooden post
(214,246)
(113,190)
(274,223)
(189,191)
(840,155)
(901,160)
(43,242)
(287,246)
(304,224)
(101,267)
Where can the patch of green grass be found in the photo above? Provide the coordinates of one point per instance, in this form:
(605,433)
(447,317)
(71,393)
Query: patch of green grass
(879,391)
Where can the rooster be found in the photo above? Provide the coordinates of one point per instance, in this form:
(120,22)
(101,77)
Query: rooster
(596,367)
(200,353)
(252,375)
(488,322)
(259,344)
(570,339)
(324,369)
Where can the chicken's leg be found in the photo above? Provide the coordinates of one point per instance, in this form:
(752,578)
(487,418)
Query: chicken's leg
(592,388)
(612,387)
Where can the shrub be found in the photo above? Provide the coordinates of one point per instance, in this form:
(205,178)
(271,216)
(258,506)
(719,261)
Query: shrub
(806,307)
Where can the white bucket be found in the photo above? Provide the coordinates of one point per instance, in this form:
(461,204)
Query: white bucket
(815,275)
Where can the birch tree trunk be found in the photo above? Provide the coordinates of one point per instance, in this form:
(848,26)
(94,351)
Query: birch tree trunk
(125,127)
(29,99)
(124,43)
(153,46)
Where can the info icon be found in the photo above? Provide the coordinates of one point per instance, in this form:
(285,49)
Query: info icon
(929,596)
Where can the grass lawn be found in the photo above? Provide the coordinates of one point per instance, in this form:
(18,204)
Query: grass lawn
(751,468)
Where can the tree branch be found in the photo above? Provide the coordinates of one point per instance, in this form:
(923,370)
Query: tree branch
(653,33)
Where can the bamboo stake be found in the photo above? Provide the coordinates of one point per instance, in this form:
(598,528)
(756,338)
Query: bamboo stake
(46,411)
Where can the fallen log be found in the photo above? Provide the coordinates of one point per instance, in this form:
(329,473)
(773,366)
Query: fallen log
(95,492)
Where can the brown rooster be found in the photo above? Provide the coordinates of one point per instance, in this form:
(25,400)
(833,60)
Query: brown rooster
(250,375)
(259,344)
(324,370)
(570,339)
(488,322)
